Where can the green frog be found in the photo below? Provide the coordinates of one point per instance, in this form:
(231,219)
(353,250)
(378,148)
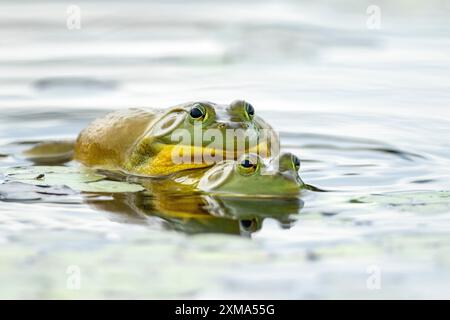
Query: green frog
(161,142)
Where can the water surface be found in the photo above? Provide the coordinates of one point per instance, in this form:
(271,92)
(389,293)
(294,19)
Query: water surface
(367,111)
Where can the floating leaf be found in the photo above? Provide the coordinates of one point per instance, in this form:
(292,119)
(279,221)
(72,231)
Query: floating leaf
(48,175)
(42,169)
(80,179)
(22,192)
(418,201)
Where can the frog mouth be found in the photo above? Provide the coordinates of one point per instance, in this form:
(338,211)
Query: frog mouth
(173,158)
(210,155)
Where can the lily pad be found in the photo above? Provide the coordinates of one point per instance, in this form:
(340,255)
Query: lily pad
(79,179)
(22,192)
(55,179)
(42,169)
(417,201)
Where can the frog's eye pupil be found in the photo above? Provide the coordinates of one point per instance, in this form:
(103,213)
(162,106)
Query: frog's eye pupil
(196,113)
(296,161)
(247,164)
(246,224)
(249,109)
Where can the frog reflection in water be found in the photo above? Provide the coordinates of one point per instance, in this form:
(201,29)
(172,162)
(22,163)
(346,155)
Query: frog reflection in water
(231,197)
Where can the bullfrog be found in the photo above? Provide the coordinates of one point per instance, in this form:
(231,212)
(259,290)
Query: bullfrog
(187,136)
(250,176)
(230,197)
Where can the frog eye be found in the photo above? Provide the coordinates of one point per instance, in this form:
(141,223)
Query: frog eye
(248,165)
(197,112)
(249,110)
(295,162)
(287,162)
(249,225)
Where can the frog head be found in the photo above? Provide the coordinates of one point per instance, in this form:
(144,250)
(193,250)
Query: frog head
(200,134)
(252,175)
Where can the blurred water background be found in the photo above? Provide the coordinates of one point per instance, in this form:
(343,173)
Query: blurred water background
(366,109)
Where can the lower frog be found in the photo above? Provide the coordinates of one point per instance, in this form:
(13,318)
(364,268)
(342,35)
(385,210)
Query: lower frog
(251,175)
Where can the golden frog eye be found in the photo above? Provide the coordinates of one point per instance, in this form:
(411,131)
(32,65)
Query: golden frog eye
(248,165)
(197,112)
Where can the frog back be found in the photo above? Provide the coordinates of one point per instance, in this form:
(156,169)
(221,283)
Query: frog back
(107,141)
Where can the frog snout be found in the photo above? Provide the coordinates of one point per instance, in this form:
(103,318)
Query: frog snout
(232,125)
